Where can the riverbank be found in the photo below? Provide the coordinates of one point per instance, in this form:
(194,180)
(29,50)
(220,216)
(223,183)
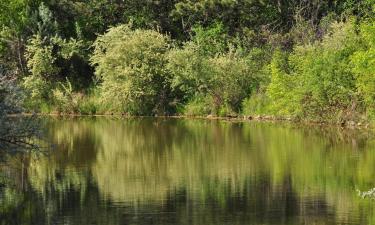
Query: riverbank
(241,118)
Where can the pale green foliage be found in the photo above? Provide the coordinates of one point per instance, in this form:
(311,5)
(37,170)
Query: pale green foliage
(64,99)
(47,26)
(41,62)
(131,65)
(40,59)
(69,48)
(37,88)
(90,105)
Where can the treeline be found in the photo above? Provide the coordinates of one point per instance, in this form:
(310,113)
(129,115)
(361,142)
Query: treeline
(301,59)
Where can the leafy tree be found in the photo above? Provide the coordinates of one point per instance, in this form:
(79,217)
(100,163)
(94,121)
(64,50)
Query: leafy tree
(131,65)
(211,40)
(16,21)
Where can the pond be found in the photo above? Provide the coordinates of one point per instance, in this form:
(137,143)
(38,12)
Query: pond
(187,171)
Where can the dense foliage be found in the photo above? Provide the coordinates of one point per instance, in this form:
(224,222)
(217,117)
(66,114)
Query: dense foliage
(131,65)
(301,59)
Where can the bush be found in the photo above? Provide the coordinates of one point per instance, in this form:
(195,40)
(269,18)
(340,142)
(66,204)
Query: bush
(316,81)
(65,100)
(225,78)
(40,58)
(91,103)
(364,67)
(131,65)
(229,81)
(281,91)
(256,104)
(44,55)
(187,76)
(198,106)
(40,62)
(89,106)
(37,91)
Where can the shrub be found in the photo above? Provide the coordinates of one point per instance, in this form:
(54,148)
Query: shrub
(131,66)
(364,67)
(187,75)
(40,59)
(88,106)
(315,81)
(225,78)
(256,104)
(37,91)
(229,81)
(40,64)
(91,103)
(65,100)
(198,106)
(284,99)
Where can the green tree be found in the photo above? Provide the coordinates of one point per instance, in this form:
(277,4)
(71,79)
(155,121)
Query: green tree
(131,65)
(15,22)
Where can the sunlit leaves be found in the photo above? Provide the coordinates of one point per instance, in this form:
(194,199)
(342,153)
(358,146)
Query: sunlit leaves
(131,65)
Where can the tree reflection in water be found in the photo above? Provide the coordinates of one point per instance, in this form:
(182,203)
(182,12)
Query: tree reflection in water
(177,171)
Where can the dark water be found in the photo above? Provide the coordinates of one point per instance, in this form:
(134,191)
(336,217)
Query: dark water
(179,171)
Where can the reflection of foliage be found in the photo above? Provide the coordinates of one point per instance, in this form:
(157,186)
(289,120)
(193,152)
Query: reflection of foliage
(62,178)
(18,134)
(166,165)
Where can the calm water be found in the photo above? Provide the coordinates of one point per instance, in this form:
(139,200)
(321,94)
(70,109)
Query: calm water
(179,171)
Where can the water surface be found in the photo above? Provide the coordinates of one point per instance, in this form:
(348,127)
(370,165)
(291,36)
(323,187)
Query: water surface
(184,171)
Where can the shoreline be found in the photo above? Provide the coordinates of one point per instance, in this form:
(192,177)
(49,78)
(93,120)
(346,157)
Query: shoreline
(242,118)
